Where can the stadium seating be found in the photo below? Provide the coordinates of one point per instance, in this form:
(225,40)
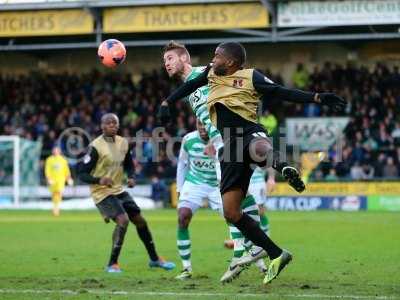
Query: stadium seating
(41,106)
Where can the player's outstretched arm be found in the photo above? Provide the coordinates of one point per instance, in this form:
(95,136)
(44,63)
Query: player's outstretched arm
(266,87)
(332,100)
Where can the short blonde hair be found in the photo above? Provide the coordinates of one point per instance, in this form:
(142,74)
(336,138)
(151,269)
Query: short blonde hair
(178,47)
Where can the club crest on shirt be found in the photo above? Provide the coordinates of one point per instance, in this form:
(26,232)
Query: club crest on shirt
(237,83)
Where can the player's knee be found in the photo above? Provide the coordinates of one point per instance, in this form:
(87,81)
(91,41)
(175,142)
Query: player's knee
(122,220)
(184,219)
(139,221)
(261,152)
(263,147)
(231,215)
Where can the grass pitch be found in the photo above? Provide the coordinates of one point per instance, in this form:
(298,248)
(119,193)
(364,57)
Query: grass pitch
(336,255)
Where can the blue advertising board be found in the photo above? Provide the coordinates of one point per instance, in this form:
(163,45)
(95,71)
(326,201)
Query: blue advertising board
(311,203)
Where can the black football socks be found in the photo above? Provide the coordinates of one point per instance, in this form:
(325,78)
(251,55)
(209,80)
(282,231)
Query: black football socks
(117,241)
(251,230)
(145,236)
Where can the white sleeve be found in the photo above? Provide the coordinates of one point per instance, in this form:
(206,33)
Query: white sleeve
(183,165)
(217,142)
(218,170)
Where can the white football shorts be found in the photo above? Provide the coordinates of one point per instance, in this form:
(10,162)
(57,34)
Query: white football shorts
(192,196)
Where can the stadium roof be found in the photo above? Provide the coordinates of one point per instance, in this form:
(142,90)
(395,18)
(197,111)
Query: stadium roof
(268,34)
(59,4)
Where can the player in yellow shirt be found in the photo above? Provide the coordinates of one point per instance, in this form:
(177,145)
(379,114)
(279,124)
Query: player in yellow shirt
(57,173)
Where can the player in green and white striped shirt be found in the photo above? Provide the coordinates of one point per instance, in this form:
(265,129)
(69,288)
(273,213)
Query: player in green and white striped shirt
(177,64)
(183,69)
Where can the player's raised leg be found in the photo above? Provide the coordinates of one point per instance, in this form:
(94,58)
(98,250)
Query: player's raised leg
(262,153)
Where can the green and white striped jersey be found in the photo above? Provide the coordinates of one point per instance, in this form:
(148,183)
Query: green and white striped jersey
(198,102)
(258,176)
(193,165)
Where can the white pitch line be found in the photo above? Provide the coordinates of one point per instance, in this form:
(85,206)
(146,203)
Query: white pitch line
(101,292)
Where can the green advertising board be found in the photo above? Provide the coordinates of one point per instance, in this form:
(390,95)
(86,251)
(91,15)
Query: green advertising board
(383,203)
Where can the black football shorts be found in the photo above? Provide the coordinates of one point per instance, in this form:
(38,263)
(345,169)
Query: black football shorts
(237,163)
(115,205)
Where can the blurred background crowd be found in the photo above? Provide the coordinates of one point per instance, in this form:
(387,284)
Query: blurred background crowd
(41,106)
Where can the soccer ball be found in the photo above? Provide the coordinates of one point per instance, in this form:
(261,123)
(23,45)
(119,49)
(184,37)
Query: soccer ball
(111,53)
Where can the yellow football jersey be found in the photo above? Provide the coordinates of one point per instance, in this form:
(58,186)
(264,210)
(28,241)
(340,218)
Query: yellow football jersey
(57,169)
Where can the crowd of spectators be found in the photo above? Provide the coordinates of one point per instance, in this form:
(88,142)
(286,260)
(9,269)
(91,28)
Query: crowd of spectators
(371,144)
(42,106)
